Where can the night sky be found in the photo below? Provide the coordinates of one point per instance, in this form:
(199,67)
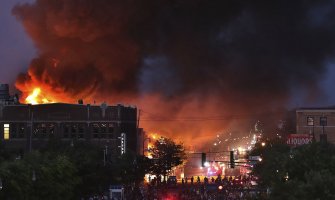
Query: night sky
(180,56)
(16,49)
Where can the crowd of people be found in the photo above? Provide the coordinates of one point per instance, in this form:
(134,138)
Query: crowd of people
(211,188)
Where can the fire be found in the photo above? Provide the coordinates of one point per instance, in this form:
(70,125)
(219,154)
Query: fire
(36,97)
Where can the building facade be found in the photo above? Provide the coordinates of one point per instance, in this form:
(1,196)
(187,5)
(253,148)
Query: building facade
(317,121)
(30,127)
(5,98)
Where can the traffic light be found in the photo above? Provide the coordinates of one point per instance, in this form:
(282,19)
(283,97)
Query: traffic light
(203,159)
(232,160)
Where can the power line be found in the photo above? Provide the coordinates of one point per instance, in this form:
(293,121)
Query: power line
(158,118)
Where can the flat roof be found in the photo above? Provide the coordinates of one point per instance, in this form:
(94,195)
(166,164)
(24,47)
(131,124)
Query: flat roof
(316,109)
(67,112)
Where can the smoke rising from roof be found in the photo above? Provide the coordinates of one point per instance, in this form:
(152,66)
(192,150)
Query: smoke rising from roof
(181,55)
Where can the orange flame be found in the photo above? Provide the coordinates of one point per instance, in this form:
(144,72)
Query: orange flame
(36,97)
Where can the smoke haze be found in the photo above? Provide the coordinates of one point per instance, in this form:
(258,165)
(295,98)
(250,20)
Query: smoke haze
(179,58)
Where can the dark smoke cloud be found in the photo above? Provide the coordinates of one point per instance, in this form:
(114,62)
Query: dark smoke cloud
(234,54)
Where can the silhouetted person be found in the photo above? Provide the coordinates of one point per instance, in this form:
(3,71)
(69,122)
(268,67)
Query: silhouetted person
(205,180)
(219,178)
(198,179)
(192,180)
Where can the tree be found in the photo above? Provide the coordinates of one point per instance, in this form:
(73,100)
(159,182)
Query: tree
(274,156)
(88,159)
(131,168)
(305,172)
(38,176)
(166,154)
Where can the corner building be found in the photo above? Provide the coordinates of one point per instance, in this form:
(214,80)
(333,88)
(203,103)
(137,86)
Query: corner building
(29,127)
(316,121)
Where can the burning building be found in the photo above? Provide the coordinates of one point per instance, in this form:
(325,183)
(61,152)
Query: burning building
(27,127)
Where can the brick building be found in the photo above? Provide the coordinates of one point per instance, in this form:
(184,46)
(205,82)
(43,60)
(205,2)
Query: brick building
(316,121)
(29,127)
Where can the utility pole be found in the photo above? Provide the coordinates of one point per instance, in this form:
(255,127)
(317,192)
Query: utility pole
(138,131)
(31,131)
(105,154)
(138,118)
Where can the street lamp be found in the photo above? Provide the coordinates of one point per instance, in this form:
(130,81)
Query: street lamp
(0,184)
(286,177)
(31,131)
(34,176)
(105,154)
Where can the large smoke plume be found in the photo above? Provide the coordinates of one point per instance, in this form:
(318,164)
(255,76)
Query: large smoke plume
(179,57)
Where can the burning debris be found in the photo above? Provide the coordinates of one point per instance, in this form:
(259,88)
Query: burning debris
(183,57)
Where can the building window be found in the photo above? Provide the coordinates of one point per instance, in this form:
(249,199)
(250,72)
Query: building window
(96,128)
(6,131)
(74,129)
(323,121)
(103,129)
(13,132)
(66,128)
(51,130)
(81,128)
(310,121)
(21,131)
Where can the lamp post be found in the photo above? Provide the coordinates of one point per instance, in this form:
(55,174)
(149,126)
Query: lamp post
(105,150)
(33,178)
(33,190)
(31,131)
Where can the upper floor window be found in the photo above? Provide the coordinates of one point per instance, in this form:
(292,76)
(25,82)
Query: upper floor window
(6,131)
(310,121)
(323,121)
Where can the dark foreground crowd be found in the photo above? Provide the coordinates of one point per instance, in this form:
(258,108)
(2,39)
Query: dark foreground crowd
(228,188)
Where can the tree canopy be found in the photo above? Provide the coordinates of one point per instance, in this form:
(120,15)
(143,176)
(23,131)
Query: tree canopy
(64,171)
(166,154)
(304,172)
